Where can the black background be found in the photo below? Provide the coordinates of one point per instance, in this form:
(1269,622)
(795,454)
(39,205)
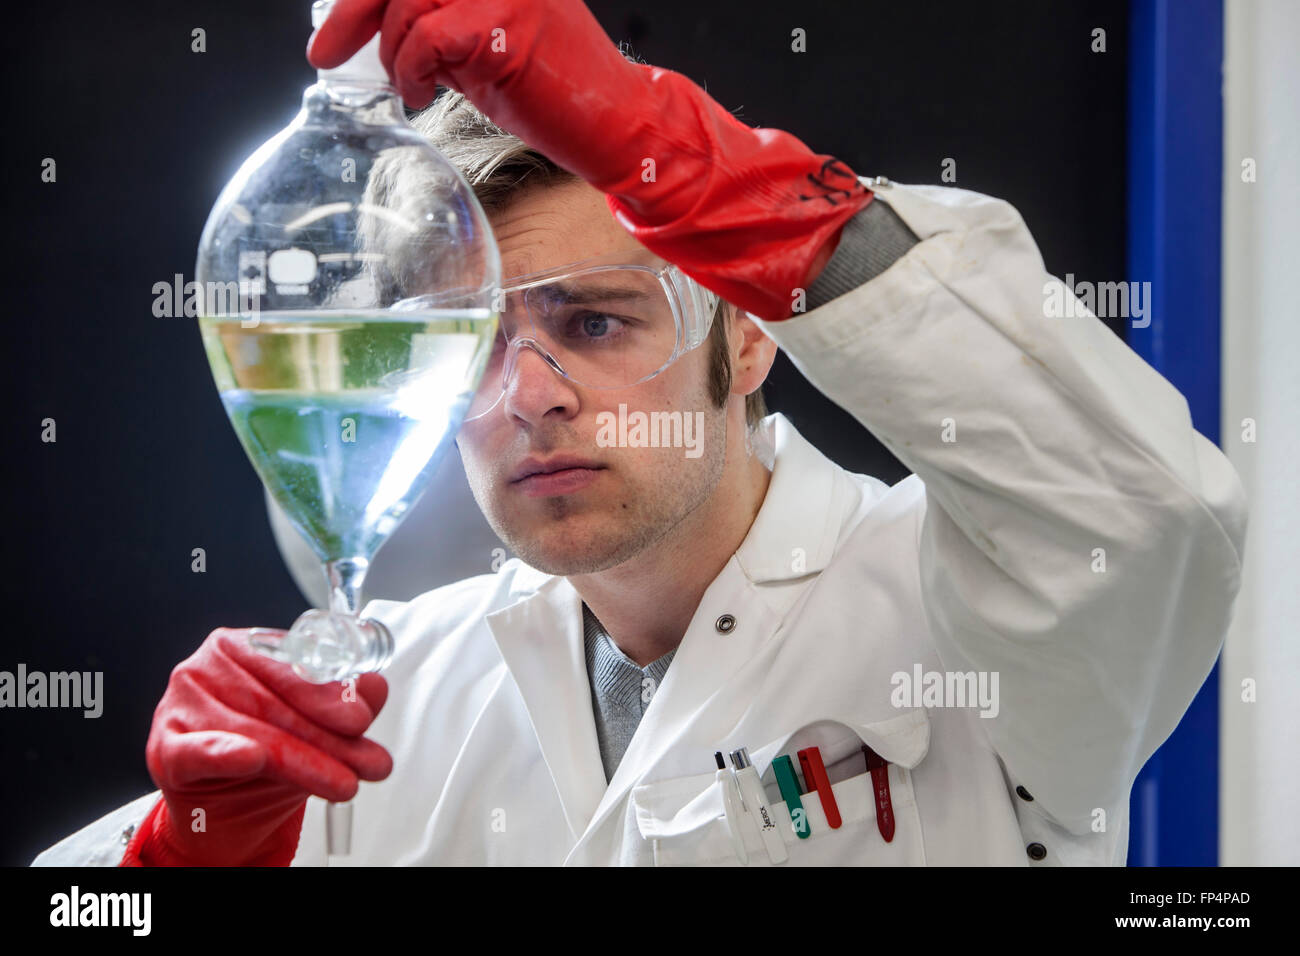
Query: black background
(101,524)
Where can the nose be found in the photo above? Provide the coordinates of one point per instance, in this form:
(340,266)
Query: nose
(534,385)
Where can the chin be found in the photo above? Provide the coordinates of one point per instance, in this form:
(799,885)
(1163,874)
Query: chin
(561,551)
(563,565)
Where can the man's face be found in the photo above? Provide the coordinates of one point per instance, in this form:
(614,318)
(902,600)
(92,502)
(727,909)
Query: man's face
(636,494)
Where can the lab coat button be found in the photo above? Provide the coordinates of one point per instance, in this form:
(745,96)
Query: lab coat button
(1023,794)
(1036,851)
(725,624)
(126,835)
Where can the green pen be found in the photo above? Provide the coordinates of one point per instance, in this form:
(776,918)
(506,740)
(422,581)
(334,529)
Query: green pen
(783,767)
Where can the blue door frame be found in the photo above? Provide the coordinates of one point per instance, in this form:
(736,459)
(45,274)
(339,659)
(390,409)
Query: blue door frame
(1175,165)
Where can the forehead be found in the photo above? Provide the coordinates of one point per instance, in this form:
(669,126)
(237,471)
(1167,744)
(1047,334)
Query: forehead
(549,226)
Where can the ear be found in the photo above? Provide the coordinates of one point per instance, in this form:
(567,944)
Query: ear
(752,352)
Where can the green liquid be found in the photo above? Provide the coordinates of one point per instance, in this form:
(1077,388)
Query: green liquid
(346,416)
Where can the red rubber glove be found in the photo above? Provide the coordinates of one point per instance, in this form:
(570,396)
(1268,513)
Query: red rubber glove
(751,214)
(246,740)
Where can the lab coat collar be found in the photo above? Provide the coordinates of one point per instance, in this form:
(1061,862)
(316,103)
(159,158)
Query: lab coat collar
(797,526)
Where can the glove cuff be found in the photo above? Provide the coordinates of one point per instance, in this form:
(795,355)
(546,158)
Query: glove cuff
(743,211)
(147,847)
(871,242)
(155,843)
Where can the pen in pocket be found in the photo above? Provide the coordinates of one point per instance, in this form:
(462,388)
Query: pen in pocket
(879,768)
(731,804)
(751,789)
(788,781)
(814,772)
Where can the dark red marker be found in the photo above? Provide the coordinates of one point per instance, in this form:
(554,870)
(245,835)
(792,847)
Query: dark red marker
(879,768)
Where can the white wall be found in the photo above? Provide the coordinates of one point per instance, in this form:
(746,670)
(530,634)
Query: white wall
(1260,746)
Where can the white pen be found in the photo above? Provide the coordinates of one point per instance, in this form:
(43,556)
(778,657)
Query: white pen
(751,789)
(732,805)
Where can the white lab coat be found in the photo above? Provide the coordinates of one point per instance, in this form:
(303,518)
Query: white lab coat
(1077,537)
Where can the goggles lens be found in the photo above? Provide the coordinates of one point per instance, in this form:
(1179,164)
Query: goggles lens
(608,328)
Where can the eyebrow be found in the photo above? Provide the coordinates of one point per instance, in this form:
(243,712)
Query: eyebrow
(579,295)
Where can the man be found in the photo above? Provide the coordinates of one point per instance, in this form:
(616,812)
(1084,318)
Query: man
(1003,638)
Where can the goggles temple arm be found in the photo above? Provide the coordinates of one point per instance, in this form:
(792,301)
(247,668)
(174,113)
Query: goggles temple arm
(705,304)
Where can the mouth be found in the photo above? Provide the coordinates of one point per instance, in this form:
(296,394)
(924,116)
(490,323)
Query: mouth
(532,466)
(557,476)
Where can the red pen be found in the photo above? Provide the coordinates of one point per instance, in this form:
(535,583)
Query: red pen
(879,768)
(809,781)
(814,772)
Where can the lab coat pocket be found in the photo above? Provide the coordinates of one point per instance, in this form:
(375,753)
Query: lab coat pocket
(685,820)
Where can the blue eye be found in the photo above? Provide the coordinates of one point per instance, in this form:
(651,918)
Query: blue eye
(597,327)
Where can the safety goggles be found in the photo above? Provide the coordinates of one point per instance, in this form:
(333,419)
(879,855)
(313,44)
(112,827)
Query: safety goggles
(599,323)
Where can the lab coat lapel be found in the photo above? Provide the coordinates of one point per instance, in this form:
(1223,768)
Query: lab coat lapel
(540,639)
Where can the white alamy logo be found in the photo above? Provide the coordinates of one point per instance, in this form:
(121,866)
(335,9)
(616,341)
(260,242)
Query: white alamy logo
(946,689)
(102,909)
(1114,300)
(232,299)
(653,430)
